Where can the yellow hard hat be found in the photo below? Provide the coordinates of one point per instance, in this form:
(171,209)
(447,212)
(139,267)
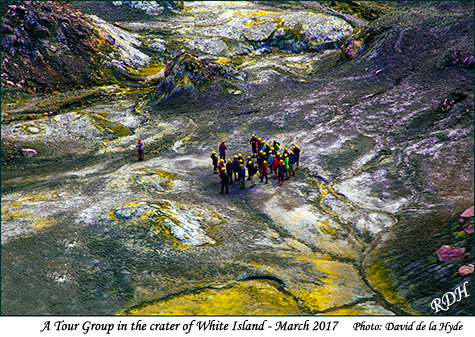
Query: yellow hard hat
(229,159)
(253,135)
(240,155)
(267,143)
(248,157)
(235,156)
(265,161)
(275,140)
(291,151)
(278,153)
(250,162)
(296,146)
(258,139)
(221,160)
(214,152)
(241,165)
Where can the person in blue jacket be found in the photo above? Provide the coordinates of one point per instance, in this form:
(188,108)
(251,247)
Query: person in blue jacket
(270,161)
(140,149)
(236,167)
(242,176)
(292,162)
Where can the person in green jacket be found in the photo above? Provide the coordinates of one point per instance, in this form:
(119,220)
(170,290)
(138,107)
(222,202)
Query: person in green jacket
(287,165)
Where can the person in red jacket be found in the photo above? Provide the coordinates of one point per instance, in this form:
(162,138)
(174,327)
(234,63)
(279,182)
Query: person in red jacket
(259,145)
(221,165)
(275,163)
(264,171)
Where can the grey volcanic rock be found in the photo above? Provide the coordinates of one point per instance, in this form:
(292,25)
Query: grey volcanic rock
(188,71)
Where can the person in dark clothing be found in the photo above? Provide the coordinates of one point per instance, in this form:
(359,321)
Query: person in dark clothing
(229,170)
(296,151)
(140,149)
(251,170)
(235,167)
(260,159)
(224,181)
(254,145)
(249,163)
(215,162)
(222,150)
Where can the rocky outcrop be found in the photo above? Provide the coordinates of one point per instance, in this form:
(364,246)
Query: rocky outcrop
(151,7)
(187,73)
(47,46)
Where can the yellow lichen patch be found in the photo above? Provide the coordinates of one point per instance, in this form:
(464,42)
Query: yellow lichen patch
(246,298)
(178,224)
(223,60)
(154,67)
(340,285)
(25,199)
(42,223)
(165,174)
(358,310)
(8,215)
(381,281)
(326,228)
(106,125)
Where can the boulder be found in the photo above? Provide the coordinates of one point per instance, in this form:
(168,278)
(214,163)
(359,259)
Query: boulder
(467,213)
(466,270)
(186,72)
(448,253)
(28,152)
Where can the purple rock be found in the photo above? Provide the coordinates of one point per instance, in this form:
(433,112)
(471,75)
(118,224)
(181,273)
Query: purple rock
(447,253)
(29,152)
(467,213)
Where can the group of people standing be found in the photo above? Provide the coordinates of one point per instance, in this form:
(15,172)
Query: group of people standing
(270,158)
